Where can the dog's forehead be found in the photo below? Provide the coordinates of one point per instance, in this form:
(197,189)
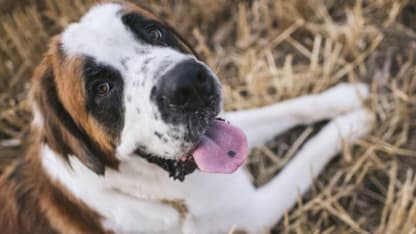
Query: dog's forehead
(101,34)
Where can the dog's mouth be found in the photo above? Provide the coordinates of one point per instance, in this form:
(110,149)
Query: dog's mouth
(222,148)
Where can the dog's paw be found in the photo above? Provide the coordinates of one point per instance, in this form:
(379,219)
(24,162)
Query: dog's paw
(354,125)
(346,97)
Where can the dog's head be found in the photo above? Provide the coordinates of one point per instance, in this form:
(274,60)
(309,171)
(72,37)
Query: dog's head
(121,83)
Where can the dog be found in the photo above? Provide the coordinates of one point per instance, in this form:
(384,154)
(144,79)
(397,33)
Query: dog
(128,136)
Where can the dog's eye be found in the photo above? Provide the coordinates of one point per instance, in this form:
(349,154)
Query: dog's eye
(102,89)
(154,33)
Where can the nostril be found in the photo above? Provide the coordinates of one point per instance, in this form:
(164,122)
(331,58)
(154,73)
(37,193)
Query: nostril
(201,77)
(161,99)
(181,96)
(212,100)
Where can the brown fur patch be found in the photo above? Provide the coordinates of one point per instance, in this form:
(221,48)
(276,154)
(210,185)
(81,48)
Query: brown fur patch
(71,92)
(69,80)
(59,93)
(128,7)
(31,203)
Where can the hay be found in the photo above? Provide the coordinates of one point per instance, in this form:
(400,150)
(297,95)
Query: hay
(266,51)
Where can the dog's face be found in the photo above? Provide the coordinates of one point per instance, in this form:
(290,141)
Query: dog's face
(130,86)
(142,84)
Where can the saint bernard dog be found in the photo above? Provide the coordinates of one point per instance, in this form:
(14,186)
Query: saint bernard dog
(128,136)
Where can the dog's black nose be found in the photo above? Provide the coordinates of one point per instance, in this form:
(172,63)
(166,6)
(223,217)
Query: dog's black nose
(188,86)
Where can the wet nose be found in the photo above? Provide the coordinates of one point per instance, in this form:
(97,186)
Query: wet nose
(188,85)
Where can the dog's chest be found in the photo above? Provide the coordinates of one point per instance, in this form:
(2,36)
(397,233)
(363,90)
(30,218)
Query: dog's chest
(137,207)
(145,217)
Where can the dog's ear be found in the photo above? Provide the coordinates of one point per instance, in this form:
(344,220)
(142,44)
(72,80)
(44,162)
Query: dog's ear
(57,127)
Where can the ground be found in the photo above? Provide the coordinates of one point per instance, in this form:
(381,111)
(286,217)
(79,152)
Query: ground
(265,51)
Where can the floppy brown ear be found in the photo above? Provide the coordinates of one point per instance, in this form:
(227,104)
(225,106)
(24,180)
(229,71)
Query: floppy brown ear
(58,129)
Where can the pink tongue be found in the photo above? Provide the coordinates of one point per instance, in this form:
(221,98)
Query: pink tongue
(222,149)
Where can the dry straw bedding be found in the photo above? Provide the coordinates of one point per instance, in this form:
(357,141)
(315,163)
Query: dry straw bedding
(266,51)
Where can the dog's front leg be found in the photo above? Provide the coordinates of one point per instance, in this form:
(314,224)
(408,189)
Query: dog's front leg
(280,194)
(127,214)
(262,124)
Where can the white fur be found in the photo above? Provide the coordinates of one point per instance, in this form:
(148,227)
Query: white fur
(130,199)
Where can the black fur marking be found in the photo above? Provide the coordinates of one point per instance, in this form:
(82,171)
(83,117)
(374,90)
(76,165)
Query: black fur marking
(147,61)
(153,91)
(145,68)
(108,109)
(231,154)
(177,169)
(163,68)
(124,62)
(95,154)
(158,134)
(141,51)
(141,26)
(176,137)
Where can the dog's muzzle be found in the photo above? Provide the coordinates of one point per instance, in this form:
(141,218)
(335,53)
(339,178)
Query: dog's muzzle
(189,95)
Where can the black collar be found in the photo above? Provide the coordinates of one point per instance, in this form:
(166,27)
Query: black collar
(177,169)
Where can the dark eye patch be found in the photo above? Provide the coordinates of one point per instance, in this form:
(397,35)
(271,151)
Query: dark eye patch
(142,29)
(107,109)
